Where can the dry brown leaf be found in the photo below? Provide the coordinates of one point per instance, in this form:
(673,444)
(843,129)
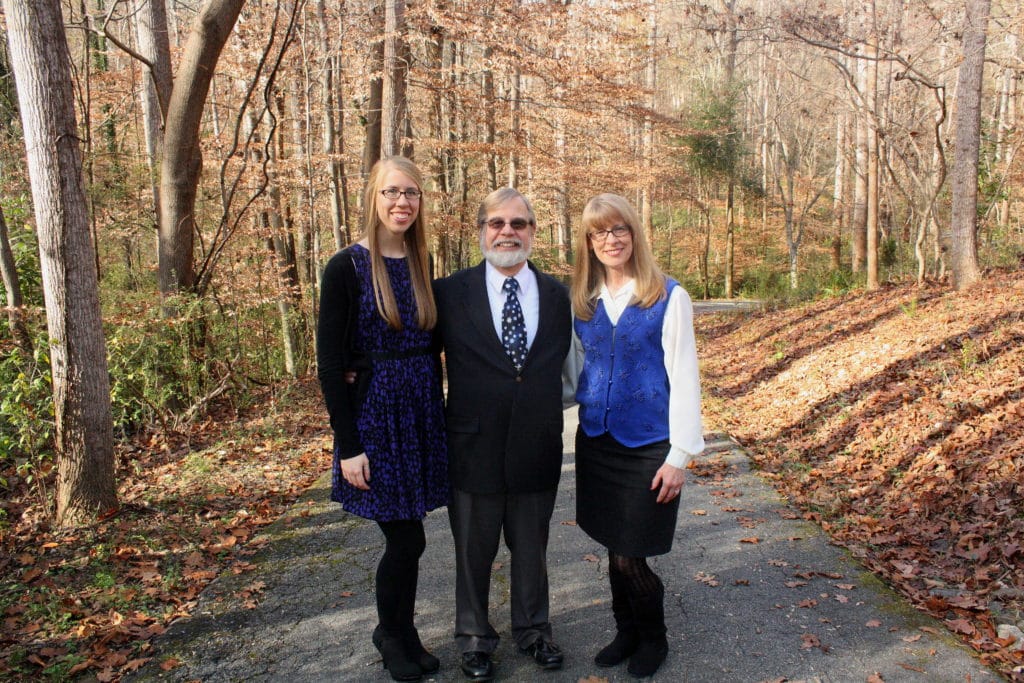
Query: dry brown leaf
(170,663)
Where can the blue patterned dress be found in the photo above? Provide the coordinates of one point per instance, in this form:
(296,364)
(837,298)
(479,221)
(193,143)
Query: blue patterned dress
(401,420)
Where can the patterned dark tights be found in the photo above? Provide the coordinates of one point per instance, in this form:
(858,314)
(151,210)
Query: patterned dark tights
(633,575)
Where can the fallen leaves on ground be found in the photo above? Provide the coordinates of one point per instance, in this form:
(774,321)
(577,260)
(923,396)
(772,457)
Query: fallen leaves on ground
(895,420)
(86,602)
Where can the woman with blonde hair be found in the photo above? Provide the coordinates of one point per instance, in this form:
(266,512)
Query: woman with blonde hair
(639,407)
(377,314)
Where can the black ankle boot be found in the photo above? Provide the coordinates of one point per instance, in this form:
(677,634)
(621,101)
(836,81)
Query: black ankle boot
(649,656)
(618,650)
(649,613)
(428,663)
(396,661)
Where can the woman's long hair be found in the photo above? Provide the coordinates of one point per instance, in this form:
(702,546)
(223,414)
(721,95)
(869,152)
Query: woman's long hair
(601,213)
(415,248)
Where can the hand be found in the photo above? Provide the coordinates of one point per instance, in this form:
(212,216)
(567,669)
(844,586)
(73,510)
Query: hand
(357,471)
(671,480)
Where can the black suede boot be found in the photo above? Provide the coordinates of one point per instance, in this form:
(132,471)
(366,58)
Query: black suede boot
(428,663)
(649,613)
(626,637)
(393,651)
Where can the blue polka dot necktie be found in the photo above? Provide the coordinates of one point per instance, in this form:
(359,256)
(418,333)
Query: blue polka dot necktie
(513,325)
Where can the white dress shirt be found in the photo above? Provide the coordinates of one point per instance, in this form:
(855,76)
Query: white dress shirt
(686,431)
(529,298)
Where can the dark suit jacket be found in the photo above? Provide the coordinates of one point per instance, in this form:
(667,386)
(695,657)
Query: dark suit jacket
(504,428)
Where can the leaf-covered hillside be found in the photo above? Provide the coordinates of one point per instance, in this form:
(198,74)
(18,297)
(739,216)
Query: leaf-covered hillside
(895,419)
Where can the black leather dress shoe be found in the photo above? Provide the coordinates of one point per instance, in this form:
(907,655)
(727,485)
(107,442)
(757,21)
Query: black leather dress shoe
(545,653)
(477,666)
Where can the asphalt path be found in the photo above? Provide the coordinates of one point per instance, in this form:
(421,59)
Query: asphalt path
(753,594)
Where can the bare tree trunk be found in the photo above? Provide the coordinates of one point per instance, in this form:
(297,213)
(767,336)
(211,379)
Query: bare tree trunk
(437,76)
(331,94)
(871,114)
(372,142)
(839,192)
(155,93)
(787,193)
(859,219)
(647,145)
(730,193)
(394,107)
(961,243)
(563,217)
(515,128)
(12,289)
(490,104)
(1007,123)
(182,162)
(763,99)
(78,357)
(704,255)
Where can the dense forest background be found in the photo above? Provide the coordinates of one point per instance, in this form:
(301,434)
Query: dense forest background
(777,150)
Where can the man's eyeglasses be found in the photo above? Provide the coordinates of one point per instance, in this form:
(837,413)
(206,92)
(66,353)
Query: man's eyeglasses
(617,230)
(517,224)
(393,193)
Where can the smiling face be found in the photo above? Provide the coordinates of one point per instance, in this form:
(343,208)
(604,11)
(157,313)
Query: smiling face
(613,251)
(504,246)
(396,215)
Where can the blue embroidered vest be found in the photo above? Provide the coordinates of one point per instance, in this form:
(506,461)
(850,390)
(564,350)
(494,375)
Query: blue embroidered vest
(623,388)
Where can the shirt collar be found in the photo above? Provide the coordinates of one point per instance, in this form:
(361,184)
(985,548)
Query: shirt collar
(625,292)
(495,279)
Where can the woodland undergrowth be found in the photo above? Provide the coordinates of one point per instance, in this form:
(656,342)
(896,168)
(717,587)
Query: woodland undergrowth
(84,604)
(895,420)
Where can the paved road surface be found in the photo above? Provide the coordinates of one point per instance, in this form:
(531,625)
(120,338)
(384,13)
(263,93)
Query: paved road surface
(753,594)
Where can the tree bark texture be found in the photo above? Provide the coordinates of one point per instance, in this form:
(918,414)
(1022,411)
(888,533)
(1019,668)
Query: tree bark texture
(839,192)
(730,194)
(859,219)
(874,176)
(81,385)
(12,290)
(155,94)
(394,106)
(490,126)
(182,162)
(961,241)
(333,125)
(372,142)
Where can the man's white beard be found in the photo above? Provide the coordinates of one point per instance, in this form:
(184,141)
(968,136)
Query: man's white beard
(504,259)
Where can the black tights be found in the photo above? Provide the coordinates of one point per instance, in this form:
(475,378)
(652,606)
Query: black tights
(633,576)
(398,572)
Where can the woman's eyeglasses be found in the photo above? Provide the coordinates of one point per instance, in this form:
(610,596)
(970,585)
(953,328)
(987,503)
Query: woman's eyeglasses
(617,230)
(393,193)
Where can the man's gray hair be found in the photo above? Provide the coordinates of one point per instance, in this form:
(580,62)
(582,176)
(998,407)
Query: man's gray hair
(499,197)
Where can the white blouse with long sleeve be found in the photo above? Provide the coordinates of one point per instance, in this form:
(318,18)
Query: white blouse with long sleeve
(686,431)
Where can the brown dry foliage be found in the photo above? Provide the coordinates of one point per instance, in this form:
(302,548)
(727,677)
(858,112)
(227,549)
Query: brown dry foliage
(895,419)
(86,602)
